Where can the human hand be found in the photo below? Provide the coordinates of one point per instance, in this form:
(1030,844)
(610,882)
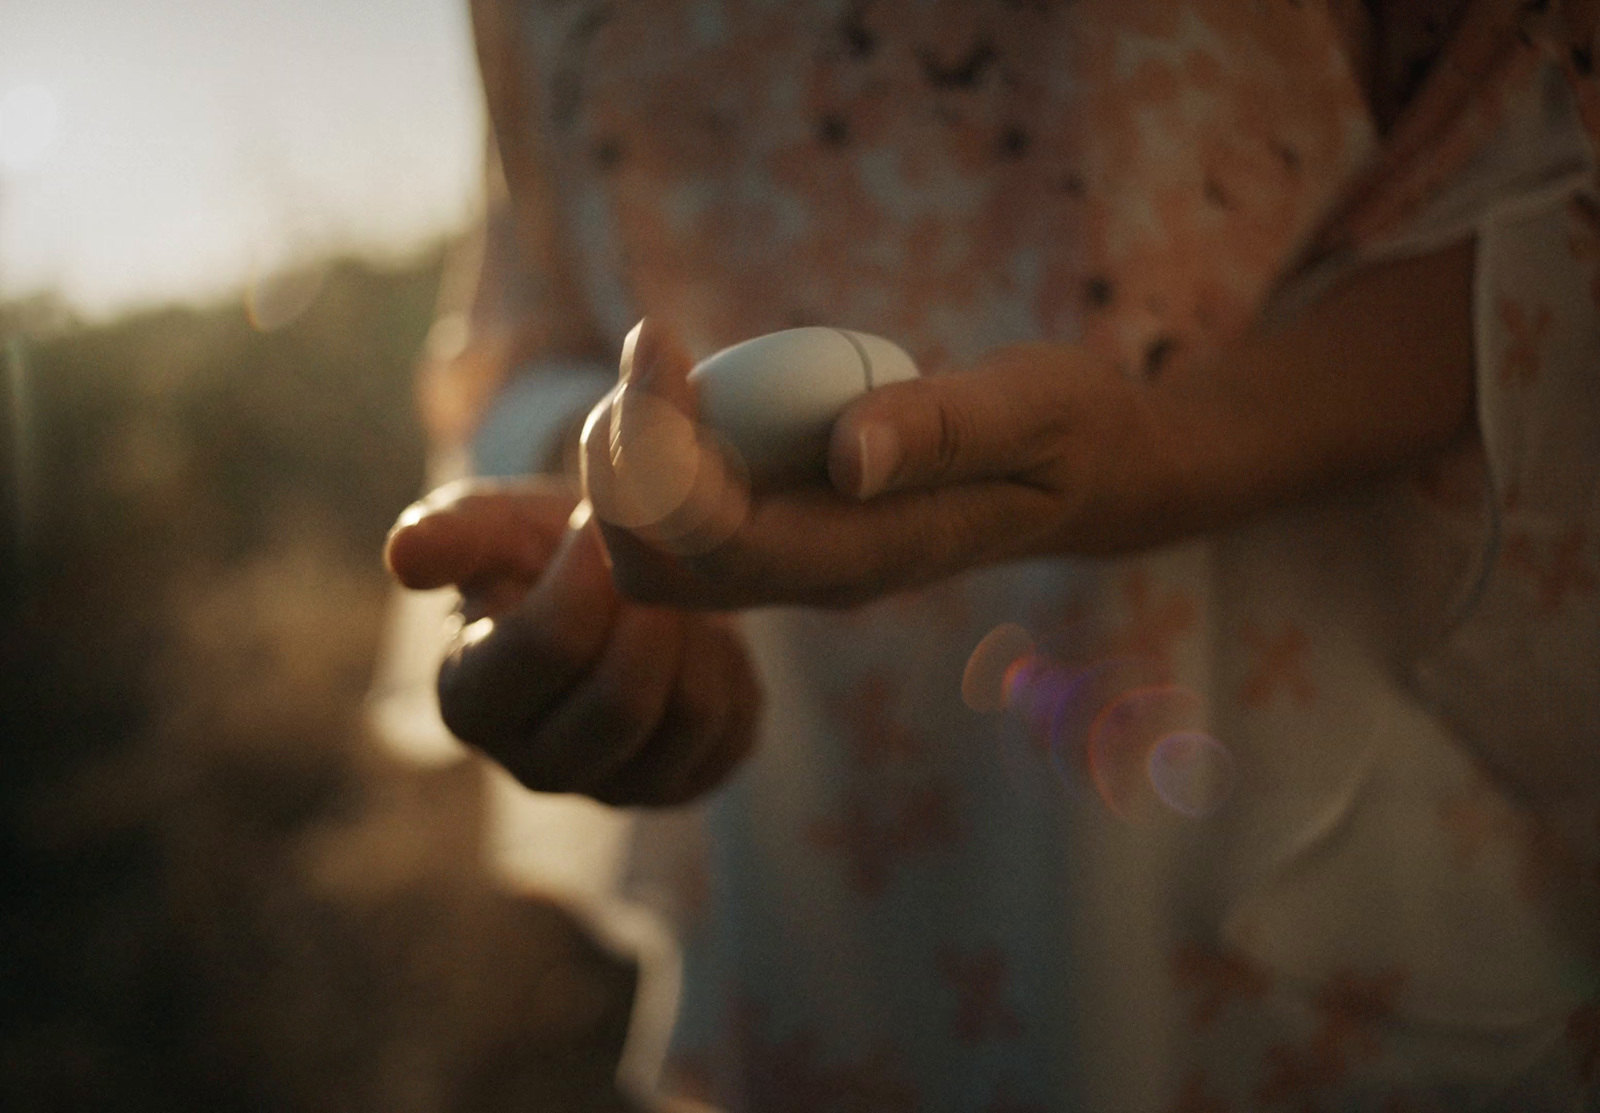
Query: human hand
(554,675)
(1037,450)
(929,477)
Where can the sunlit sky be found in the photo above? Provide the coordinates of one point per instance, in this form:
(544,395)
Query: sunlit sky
(165,149)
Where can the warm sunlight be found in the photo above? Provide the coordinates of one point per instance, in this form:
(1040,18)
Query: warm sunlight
(172,151)
(27,127)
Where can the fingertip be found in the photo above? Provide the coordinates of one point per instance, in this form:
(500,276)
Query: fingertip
(410,516)
(416,552)
(864,453)
(418,544)
(844,458)
(630,346)
(658,362)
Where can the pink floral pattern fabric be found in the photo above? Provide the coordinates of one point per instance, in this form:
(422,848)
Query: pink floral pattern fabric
(900,907)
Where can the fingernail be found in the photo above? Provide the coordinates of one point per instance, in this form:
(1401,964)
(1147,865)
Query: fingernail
(645,367)
(410,516)
(630,347)
(879,447)
(424,549)
(647,351)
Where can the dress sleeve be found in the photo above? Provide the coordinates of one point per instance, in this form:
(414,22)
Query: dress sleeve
(1517,670)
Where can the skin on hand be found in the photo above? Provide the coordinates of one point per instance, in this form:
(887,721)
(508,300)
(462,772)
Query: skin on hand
(1042,450)
(569,686)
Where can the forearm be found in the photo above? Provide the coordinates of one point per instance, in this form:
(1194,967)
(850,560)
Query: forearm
(1042,450)
(1377,373)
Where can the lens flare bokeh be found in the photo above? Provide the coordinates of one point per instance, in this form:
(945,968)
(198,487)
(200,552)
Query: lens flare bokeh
(649,468)
(1116,724)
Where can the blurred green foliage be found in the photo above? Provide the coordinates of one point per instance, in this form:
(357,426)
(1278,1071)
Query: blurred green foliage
(195,405)
(147,461)
(215,891)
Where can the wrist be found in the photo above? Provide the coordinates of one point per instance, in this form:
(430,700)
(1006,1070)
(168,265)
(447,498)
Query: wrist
(1125,485)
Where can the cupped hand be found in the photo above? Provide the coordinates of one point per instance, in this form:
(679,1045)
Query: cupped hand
(925,479)
(554,675)
(1040,449)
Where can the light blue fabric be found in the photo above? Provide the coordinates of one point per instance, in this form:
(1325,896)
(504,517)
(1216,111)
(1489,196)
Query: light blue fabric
(532,412)
(797,977)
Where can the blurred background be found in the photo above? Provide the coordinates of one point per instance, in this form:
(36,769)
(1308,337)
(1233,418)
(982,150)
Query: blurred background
(223,229)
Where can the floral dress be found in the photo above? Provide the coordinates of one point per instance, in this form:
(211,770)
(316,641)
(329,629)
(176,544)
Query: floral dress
(899,904)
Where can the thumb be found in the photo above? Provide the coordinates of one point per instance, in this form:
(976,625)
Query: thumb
(655,361)
(639,450)
(647,467)
(999,420)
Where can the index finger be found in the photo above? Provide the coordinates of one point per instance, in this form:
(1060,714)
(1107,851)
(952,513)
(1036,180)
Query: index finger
(816,548)
(476,530)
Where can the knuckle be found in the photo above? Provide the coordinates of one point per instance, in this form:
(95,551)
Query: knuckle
(952,434)
(525,758)
(706,730)
(645,778)
(1054,421)
(642,573)
(732,744)
(509,705)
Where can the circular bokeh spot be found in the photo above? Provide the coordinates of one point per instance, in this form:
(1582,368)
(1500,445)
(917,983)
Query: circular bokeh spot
(986,683)
(640,459)
(1191,772)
